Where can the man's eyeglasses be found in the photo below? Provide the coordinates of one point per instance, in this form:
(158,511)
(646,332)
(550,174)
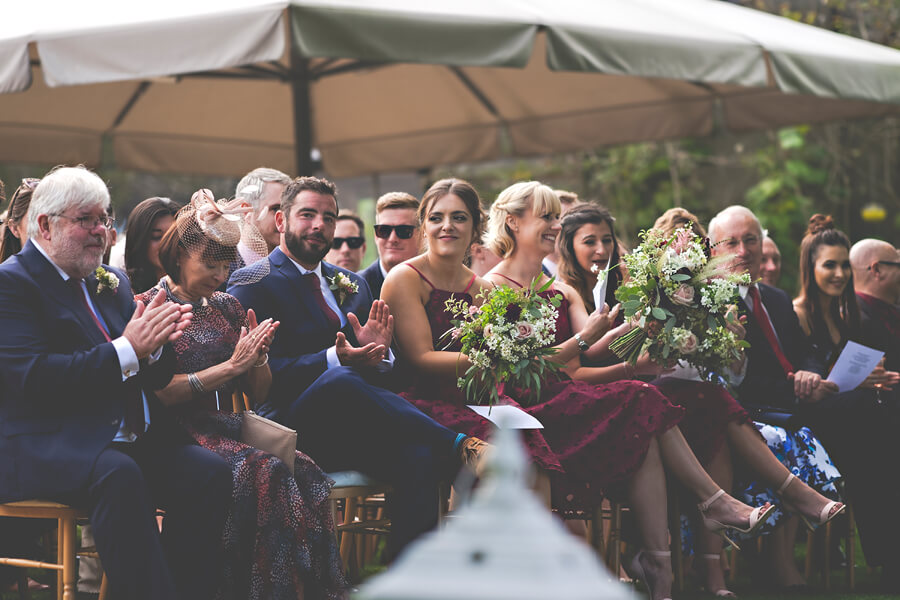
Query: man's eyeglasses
(354,242)
(89,223)
(30,183)
(888,262)
(404,232)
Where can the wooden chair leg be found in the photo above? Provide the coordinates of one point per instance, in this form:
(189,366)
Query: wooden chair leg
(70,564)
(675,534)
(615,532)
(350,509)
(851,549)
(826,559)
(810,548)
(104,587)
(60,556)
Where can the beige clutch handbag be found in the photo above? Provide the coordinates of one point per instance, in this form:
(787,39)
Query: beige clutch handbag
(269,436)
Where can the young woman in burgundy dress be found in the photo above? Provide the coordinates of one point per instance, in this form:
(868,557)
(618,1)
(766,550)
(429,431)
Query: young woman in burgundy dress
(612,439)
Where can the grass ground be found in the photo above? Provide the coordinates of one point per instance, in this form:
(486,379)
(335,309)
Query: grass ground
(866,585)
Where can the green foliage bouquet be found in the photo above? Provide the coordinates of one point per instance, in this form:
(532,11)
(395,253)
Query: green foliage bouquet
(680,297)
(507,338)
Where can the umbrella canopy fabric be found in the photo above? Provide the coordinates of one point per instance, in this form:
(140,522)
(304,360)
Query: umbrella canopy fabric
(223,86)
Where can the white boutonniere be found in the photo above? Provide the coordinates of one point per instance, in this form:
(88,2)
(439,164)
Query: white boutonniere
(106,280)
(341,286)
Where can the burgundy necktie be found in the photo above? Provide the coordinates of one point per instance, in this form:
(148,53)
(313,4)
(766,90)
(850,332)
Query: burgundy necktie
(315,286)
(759,313)
(134,406)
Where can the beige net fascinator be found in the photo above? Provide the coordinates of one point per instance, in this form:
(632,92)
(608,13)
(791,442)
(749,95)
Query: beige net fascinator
(221,230)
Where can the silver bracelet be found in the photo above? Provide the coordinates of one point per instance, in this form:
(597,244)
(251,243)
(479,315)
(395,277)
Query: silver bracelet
(264,362)
(196,384)
(582,345)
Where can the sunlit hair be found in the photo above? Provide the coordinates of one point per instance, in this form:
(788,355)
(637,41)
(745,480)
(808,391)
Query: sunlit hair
(725,213)
(515,200)
(140,271)
(66,189)
(251,187)
(845,311)
(304,184)
(573,273)
(677,217)
(16,214)
(396,200)
(462,190)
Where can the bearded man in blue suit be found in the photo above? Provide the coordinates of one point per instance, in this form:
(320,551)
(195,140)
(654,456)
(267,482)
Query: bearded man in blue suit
(325,361)
(79,422)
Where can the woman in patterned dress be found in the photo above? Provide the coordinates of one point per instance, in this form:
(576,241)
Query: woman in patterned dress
(279,535)
(601,439)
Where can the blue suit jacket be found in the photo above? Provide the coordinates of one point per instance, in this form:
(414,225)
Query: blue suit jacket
(61,389)
(297,356)
(374,277)
(765,383)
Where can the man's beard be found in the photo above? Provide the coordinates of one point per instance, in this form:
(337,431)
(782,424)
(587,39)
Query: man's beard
(303,252)
(80,261)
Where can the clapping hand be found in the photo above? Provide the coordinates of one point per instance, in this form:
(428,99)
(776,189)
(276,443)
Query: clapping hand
(375,337)
(155,324)
(734,323)
(254,343)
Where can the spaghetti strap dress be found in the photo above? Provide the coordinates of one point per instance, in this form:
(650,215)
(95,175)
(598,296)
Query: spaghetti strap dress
(599,434)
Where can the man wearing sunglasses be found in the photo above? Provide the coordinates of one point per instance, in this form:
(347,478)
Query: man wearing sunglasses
(349,245)
(397,236)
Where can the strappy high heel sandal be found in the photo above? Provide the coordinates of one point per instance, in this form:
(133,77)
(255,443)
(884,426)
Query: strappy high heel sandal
(637,569)
(827,513)
(757,517)
(723,592)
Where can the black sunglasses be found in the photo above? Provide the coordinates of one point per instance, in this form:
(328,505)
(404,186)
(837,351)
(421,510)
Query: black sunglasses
(354,242)
(888,262)
(404,232)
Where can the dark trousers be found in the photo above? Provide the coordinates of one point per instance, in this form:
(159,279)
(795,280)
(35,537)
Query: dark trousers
(344,423)
(126,486)
(859,435)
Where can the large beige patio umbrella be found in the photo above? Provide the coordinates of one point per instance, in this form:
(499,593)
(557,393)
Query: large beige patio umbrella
(222,86)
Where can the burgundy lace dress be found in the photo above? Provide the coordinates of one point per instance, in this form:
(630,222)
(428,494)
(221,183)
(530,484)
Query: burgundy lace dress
(279,534)
(598,433)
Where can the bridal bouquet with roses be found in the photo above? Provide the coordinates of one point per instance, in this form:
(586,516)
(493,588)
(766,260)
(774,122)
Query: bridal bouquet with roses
(680,297)
(508,339)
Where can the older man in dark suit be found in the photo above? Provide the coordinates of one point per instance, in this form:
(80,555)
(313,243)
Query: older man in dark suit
(781,377)
(325,360)
(78,363)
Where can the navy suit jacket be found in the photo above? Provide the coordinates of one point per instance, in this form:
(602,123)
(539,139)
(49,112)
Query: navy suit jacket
(297,355)
(374,277)
(765,383)
(61,389)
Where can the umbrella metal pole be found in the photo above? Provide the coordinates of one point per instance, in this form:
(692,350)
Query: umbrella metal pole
(300,84)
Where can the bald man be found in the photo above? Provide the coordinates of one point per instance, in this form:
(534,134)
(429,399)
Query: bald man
(770,268)
(876,277)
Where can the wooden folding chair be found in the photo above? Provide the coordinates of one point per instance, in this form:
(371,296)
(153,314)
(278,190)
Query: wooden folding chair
(66,565)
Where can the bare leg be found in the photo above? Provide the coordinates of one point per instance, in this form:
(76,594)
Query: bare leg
(680,460)
(751,448)
(647,496)
(709,544)
(781,552)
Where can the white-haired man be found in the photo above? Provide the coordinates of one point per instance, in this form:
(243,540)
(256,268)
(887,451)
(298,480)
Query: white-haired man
(262,188)
(79,361)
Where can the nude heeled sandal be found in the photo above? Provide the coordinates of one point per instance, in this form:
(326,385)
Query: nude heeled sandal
(723,592)
(825,514)
(757,517)
(638,569)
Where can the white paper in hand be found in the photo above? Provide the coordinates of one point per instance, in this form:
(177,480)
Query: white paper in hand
(507,417)
(854,364)
(600,288)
